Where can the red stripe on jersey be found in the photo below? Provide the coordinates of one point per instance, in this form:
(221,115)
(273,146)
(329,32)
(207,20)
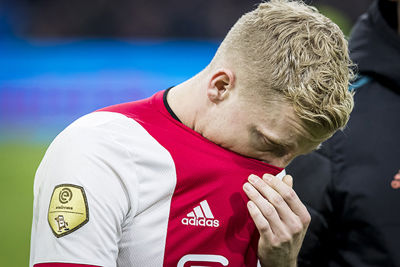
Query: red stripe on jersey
(208,221)
(62,264)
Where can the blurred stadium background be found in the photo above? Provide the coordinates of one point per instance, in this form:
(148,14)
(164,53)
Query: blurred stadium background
(61,59)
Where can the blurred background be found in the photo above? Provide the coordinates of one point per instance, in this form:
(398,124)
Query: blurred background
(61,59)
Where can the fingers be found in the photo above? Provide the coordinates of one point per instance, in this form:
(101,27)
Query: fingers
(258,217)
(266,214)
(268,194)
(279,216)
(289,196)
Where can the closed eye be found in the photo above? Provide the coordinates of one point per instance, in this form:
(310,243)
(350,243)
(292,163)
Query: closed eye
(265,144)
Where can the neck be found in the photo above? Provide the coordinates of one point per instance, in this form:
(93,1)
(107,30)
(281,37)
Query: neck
(186,100)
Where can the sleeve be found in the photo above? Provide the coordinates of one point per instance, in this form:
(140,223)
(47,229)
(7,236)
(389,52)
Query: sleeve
(81,197)
(312,176)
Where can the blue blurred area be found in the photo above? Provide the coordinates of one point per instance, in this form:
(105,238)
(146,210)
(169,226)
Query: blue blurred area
(47,84)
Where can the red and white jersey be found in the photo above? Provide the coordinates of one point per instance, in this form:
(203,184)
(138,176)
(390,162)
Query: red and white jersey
(129,185)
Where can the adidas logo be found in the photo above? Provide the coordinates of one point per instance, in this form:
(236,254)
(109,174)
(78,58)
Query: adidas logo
(201,216)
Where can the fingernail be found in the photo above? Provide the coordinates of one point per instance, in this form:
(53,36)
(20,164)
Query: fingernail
(267,177)
(250,204)
(253,178)
(246,187)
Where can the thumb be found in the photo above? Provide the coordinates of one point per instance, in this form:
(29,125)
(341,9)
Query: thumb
(288,179)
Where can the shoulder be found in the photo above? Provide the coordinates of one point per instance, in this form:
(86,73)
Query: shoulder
(98,125)
(88,168)
(97,133)
(94,152)
(100,149)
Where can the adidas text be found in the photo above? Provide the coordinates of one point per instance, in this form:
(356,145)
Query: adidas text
(200,222)
(201,216)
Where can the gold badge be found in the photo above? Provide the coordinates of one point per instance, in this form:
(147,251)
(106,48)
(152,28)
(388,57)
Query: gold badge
(68,210)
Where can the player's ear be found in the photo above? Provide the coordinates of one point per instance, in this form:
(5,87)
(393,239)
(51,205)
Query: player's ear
(220,85)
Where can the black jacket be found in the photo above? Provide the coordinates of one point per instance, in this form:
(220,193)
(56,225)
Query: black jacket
(349,185)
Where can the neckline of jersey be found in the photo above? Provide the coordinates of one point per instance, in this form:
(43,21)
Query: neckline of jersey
(160,101)
(168,107)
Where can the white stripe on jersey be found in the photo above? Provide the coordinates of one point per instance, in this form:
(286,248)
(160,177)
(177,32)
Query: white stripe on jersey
(119,165)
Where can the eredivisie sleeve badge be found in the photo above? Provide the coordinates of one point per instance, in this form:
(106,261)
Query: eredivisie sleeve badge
(68,210)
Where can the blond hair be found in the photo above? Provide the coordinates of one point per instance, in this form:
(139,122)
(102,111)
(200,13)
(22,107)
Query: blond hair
(286,48)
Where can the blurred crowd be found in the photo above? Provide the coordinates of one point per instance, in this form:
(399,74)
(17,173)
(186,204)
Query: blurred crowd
(143,18)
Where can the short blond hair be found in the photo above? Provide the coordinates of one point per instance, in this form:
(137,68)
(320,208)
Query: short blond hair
(286,48)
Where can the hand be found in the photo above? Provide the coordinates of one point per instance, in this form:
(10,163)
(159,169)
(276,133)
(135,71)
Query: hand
(280,217)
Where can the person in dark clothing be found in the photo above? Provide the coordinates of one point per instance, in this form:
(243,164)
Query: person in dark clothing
(352,184)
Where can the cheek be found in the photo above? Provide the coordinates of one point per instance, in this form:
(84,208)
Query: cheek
(243,142)
(236,139)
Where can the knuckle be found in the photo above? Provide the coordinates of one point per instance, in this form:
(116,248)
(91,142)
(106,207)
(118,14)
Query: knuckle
(259,184)
(268,210)
(290,195)
(263,228)
(306,218)
(304,215)
(275,242)
(285,238)
(297,227)
(256,216)
(251,192)
(258,198)
(263,186)
(277,200)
